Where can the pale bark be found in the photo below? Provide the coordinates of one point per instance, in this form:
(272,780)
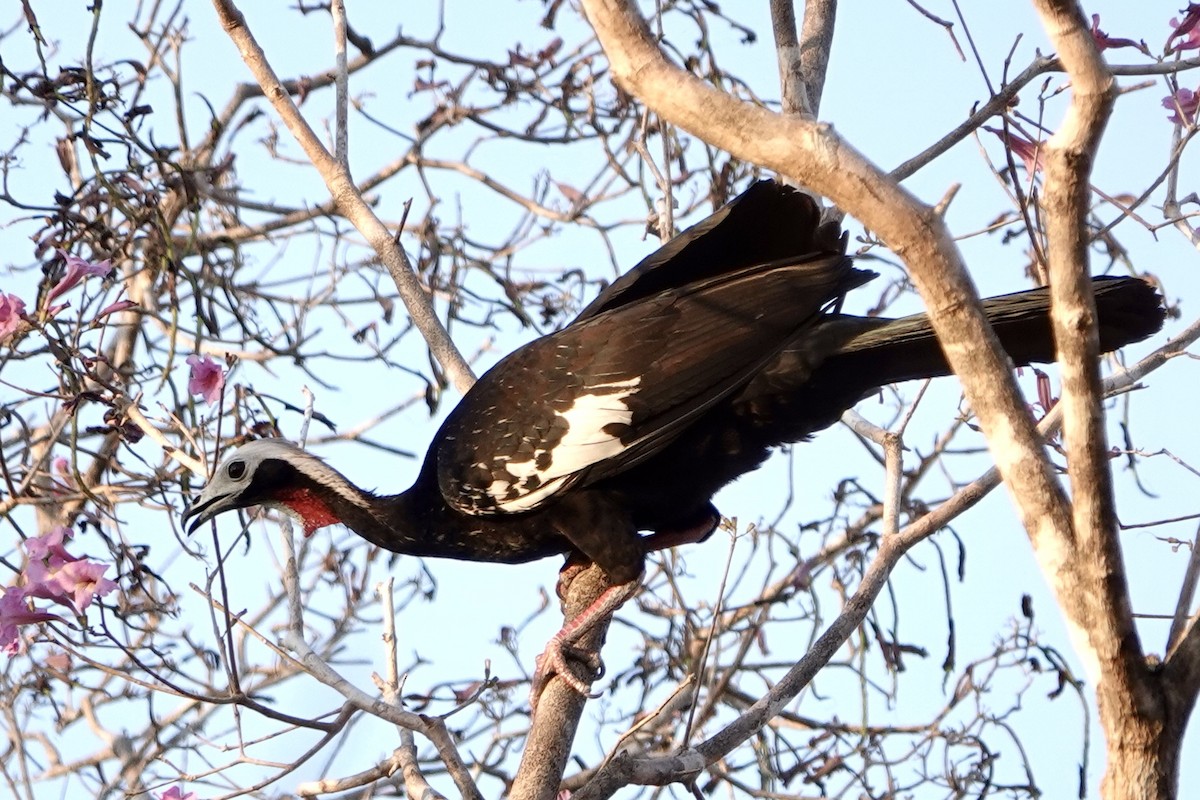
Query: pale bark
(816,44)
(803,59)
(552,733)
(1143,721)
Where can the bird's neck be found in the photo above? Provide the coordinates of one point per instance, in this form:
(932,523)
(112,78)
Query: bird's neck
(411,522)
(416,522)
(316,501)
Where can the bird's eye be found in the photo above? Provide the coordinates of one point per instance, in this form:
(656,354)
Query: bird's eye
(236,470)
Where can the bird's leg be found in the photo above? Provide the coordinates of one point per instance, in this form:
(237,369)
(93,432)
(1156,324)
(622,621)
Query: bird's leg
(553,660)
(667,538)
(603,534)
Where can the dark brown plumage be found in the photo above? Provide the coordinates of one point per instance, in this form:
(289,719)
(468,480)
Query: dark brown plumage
(677,379)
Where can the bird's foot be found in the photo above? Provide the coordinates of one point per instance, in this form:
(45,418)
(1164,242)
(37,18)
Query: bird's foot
(553,661)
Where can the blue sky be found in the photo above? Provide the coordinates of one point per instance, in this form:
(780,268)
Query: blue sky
(895,85)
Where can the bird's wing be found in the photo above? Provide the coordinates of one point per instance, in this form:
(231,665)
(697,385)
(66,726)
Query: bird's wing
(768,222)
(604,394)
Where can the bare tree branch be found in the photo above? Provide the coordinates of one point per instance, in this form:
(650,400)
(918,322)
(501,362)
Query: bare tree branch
(816,46)
(348,200)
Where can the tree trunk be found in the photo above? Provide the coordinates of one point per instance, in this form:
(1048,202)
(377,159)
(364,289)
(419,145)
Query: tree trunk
(1144,744)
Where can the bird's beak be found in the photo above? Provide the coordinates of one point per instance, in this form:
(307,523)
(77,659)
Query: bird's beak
(205,508)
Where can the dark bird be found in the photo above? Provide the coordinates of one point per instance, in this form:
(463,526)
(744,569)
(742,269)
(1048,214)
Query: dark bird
(680,377)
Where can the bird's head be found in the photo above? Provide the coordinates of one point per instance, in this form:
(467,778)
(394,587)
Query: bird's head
(278,474)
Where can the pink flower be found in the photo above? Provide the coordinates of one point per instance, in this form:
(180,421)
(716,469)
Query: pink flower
(175,793)
(59,660)
(1029,152)
(77,270)
(60,468)
(11,309)
(50,547)
(72,583)
(113,308)
(15,611)
(1045,391)
(1187,30)
(207,378)
(1183,105)
(1105,42)
(54,574)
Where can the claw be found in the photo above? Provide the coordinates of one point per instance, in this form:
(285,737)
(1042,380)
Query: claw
(553,661)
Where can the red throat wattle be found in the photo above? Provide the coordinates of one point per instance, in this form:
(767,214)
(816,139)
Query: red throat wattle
(312,511)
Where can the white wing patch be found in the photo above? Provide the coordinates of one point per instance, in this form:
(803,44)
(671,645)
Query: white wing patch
(594,422)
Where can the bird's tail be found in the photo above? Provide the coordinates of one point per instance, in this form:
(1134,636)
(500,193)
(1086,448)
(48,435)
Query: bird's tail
(842,359)
(1128,310)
